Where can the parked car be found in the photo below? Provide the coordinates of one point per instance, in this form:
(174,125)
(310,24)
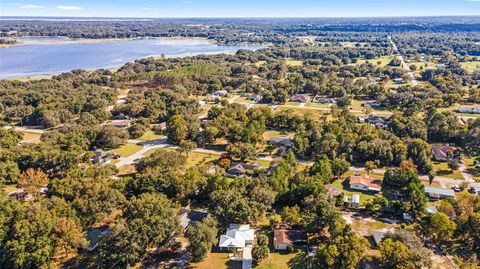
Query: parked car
(472,190)
(456,188)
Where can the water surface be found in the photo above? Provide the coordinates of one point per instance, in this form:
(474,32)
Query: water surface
(44,58)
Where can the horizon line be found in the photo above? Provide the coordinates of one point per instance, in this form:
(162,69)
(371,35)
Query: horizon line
(243,17)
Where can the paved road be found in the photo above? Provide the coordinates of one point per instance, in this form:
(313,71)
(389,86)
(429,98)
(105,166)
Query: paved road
(441,180)
(404,64)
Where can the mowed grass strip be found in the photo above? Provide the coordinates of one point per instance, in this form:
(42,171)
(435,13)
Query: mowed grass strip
(127,149)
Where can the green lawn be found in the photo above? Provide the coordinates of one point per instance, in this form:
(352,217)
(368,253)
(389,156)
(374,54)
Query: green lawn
(282,261)
(384,60)
(443,171)
(127,149)
(193,159)
(293,63)
(470,66)
(268,134)
(150,135)
(320,105)
(31,137)
(216,261)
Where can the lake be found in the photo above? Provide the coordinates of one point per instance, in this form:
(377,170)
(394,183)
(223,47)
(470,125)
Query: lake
(50,56)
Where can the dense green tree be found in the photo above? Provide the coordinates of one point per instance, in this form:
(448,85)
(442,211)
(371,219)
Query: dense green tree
(202,236)
(177,129)
(110,137)
(395,255)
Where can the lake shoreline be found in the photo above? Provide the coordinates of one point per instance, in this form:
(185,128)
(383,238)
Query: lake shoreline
(67,40)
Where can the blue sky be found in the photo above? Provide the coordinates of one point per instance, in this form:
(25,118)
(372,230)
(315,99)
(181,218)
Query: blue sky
(238,8)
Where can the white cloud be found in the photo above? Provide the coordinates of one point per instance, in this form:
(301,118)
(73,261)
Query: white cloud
(30,6)
(69,7)
(149,8)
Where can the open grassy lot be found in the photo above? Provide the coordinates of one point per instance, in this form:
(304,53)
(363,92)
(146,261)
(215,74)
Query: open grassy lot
(443,171)
(127,149)
(470,66)
(384,60)
(31,137)
(150,135)
(278,260)
(303,111)
(470,163)
(313,104)
(243,100)
(216,260)
(259,63)
(293,63)
(193,159)
(269,134)
(424,65)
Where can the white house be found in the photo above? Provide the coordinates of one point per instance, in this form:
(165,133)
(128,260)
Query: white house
(237,236)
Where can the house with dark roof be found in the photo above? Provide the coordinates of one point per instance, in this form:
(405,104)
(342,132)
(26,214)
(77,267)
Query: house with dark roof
(187,216)
(377,121)
(302,98)
(283,237)
(239,169)
(281,141)
(93,237)
(440,153)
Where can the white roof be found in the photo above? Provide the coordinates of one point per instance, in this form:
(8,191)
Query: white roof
(236,236)
(356,198)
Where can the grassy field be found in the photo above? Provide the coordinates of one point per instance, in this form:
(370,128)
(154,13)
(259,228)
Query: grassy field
(470,163)
(150,135)
(31,137)
(216,261)
(313,104)
(260,63)
(293,63)
(282,261)
(303,111)
(193,159)
(419,65)
(269,134)
(127,149)
(470,66)
(384,60)
(443,171)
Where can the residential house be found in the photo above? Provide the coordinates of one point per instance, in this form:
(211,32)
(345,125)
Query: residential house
(283,237)
(377,121)
(212,98)
(440,153)
(125,123)
(220,93)
(469,110)
(238,236)
(302,98)
(398,80)
(379,235)
(240,169)
(187,216)
(281,141)
(93,237)
(365,183)
(439,193)
(255,98)
(21,195)
(101,157)
(325,100)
